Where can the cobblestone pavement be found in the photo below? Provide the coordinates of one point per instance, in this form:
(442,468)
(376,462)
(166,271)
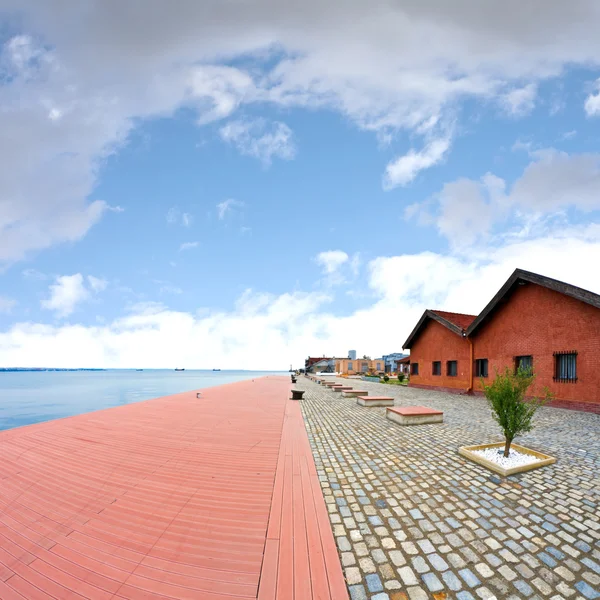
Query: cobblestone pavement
(414,520)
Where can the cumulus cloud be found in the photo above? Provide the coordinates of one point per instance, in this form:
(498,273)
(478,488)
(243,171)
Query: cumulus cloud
(68,291)
(228,206)
(404,169)
(97,284)
(267,331)
(467,210)
(520,101)
(76,84)
(592,102)
(260,139)
(65,294)
(331,260)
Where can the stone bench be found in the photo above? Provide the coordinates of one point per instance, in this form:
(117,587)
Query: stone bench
(414,415)
(331,383)
(341,388)
(375,401)
(354,393)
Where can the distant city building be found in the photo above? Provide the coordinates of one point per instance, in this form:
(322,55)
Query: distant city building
(391,361)
(346,366)
(352,354)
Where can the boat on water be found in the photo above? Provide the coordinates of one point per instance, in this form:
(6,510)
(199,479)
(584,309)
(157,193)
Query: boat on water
(139,369)
(180,369)
(216,369)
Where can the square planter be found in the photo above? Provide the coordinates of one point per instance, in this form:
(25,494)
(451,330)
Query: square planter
(375,401)
(414,415)
(467,452)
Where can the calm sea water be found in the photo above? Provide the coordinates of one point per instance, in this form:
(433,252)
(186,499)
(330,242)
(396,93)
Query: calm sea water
(32,397)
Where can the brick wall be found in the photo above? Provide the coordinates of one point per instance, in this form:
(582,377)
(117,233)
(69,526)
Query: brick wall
(437,342)
(537,321)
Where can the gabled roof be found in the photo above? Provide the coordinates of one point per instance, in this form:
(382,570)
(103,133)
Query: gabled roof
(455,322)
(459,319)
(520,277)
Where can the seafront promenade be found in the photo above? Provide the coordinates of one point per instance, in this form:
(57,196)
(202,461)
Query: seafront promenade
(180,497)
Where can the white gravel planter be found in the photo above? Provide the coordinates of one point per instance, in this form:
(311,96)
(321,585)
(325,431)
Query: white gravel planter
(520,459)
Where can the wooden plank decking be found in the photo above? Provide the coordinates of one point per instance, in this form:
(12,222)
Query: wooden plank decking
(213,498)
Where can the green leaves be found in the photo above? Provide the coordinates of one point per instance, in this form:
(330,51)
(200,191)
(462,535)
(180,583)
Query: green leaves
(506,396)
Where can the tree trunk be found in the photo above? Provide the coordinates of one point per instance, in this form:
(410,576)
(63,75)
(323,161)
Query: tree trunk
(507,447)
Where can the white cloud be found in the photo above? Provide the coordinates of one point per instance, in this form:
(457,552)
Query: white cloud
(7,304)
(96,284)
(69,291)
(189,245)
(592,102)
(271,331)
(260,139)
(466,211)
(66,294)
(331,260)
(176,217)
(520,101)
(404,169)
(228,206)
(76,84)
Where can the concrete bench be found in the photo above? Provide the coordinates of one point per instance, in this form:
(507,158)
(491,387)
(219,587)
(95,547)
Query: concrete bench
(341,388)
(375,401)
(354,393)
(297,394)
(331,383)
(414,415)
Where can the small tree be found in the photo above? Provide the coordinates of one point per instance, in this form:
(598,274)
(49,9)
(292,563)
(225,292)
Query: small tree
(510,409)
(386,378)
(400,377)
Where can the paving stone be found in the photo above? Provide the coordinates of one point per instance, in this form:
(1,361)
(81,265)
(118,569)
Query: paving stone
(387,571)
(353,575)
(432,582)
(411,512)
(407,576)
(357,592)
(587,591)
(417,593)
(397,558)
(367,565)
(452,581)
(469,577)
(374,583)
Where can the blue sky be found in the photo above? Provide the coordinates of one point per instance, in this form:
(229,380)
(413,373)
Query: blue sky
(250,188)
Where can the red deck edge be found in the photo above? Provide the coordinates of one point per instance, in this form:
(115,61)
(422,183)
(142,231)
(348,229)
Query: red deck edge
(301,561)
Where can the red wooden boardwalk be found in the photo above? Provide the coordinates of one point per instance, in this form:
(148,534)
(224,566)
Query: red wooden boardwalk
(178,497)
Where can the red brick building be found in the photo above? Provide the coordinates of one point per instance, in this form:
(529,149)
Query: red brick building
(532,321)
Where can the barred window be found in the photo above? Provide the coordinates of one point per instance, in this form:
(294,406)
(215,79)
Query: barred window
(452,368)
(565,367)
(436,367)
(481,367)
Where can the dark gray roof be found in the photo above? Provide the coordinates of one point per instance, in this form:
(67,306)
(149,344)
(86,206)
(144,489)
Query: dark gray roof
(520,276)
